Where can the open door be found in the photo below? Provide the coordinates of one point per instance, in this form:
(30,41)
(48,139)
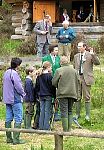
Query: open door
(40,8)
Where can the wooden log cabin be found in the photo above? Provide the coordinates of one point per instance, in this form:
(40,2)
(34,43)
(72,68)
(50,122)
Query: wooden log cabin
(27,12)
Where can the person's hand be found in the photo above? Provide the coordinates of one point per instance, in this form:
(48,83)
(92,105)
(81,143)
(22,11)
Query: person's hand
(61,37)
(43,32)
(67,36)
(91,51)
(50,23)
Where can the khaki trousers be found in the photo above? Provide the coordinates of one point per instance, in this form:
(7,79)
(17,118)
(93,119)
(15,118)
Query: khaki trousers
(84,89)
(64,50)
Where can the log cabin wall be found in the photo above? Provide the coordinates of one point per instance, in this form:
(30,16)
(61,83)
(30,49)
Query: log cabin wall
(22,19)
(102,10)
(27,18)
(17,19)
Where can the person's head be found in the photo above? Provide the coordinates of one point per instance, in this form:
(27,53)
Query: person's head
(53,49)
(65,24)
(64,11)
(81,47)
(64,60)
(47,18)
(29,71)
(15,62)
(47,66)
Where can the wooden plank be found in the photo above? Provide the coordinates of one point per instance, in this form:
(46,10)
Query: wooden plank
(24,10)
(13,1)
(27,27)
(16,24)
(16,19)
(58,142)
(25,21)
(28,15)
(95,11)
(18,30)
(25,33)
(16,37)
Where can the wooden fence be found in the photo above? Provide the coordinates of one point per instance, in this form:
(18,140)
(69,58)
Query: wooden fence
(58,136)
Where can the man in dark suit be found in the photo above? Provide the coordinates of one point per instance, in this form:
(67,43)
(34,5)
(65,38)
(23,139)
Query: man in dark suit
(43,30)
(83,63)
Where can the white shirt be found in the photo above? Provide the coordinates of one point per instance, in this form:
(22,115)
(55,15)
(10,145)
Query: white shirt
(83,60)
(53,57)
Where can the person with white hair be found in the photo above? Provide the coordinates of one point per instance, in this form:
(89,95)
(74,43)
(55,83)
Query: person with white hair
(65,37)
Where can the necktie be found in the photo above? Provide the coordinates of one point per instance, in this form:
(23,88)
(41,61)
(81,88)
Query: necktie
(80,67)
(46,26)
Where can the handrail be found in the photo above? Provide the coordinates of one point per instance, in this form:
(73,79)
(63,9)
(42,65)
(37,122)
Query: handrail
(57,134)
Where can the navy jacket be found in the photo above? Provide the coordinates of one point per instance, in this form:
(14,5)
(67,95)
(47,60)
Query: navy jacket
(29,90)
(44,85)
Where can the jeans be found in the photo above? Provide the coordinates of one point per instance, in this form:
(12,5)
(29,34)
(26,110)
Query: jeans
(45,112)
(14,111)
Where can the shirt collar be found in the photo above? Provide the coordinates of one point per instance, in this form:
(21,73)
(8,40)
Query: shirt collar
(28,77)
(45,71)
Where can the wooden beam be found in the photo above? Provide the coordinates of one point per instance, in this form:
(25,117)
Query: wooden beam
(95,11)
(13,1)
(58,142)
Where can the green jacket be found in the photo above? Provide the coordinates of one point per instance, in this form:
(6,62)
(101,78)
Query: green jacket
(56,65)
(66,82)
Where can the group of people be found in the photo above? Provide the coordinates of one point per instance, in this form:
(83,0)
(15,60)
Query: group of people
(57,80)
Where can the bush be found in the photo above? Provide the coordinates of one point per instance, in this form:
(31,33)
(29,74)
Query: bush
(28,46)
(79,37)
(101,44)
(8,48)
(6,28)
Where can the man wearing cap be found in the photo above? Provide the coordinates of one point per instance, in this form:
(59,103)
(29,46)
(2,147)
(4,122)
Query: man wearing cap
(65,37)
(43,30)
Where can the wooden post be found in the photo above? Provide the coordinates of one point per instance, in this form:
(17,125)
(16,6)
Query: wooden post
(95,11)
(58,142)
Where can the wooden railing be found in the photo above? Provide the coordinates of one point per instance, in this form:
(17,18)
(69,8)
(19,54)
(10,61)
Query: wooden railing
(58,136)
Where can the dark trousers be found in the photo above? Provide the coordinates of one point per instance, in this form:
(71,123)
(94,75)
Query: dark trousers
(66,105)
(37,115)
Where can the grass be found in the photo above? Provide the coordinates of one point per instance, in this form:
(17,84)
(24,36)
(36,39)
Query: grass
(2,111)
(70,143)
(8,47)
(83,144)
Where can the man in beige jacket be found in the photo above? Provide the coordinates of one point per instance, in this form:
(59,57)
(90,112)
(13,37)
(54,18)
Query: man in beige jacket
(83,63)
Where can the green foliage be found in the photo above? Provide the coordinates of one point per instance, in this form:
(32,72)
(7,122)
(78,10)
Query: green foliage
(101,44)
(6,28)
(28,46)
(8,47)
(79,37)
(79,143)
(33,147)
(97,45)
(1,77)
(97,90)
